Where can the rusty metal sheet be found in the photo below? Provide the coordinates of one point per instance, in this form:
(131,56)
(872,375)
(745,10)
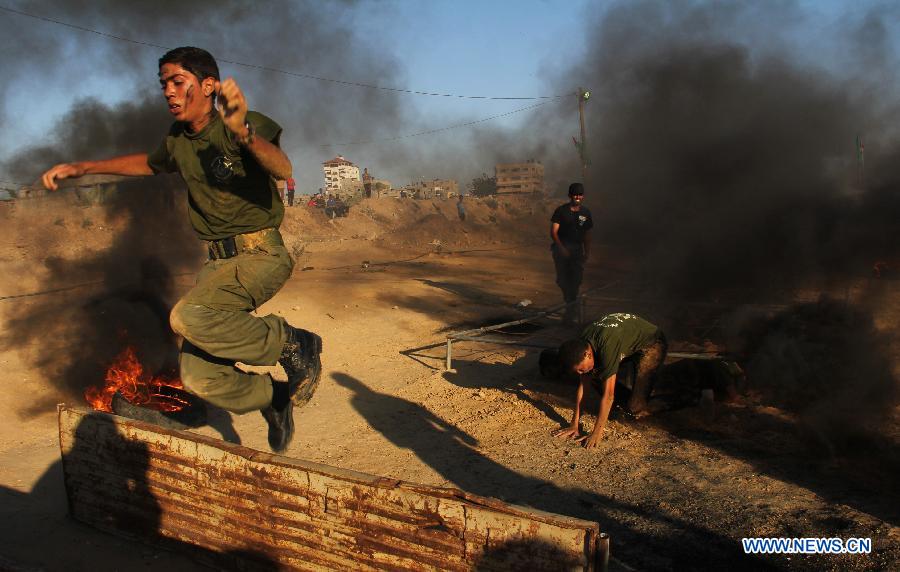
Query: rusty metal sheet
(237,507)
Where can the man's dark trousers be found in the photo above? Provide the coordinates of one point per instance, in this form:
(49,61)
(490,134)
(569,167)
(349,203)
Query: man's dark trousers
(569,270)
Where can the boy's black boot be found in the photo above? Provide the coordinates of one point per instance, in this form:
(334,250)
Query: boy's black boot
(302,363)
(281,426)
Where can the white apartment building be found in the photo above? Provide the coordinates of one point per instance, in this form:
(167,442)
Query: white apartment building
(337,170)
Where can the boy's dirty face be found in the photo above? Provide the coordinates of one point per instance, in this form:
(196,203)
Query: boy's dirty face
(587,364)
(187,97)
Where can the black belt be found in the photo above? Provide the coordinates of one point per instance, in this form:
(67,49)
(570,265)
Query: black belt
(234,245)
(225,248)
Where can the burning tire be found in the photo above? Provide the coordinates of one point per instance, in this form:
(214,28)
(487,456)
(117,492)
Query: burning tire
(173,409)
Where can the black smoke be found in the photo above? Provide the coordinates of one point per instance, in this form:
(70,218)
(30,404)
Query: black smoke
(827,362)
(123,292)
(724,159)
(305,38)
(133,283)
(723,164)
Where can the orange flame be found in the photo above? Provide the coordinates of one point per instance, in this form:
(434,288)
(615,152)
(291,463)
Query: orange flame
(126,376)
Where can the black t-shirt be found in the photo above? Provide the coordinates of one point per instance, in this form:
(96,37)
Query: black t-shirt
(572,225)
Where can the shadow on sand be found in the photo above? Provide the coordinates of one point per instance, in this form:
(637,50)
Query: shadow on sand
(773,445)
(454,455)
(128,509)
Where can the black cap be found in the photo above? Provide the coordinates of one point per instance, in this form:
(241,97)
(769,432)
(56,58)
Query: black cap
(576,189)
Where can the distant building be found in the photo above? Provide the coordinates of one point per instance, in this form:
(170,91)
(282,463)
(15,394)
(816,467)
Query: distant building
(338,170)
(527,177)
(433,189)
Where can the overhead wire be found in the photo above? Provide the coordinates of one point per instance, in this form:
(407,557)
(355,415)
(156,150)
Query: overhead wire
(36,185)
(430,131)
(344,267)
(18,186)
(4,183)
(285,72)
(546,98)
(364,142)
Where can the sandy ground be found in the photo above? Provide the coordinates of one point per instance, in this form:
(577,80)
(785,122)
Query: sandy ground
(675,491)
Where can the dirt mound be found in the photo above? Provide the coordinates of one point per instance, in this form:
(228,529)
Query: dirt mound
(62,225)
(424,223)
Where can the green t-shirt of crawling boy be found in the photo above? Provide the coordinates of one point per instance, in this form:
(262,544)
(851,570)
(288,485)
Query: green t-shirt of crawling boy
(229,193)
(613,338)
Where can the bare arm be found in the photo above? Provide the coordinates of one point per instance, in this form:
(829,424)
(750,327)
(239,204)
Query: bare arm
(572,429)
(606,402)
(587,244)
(554,234)
(271,158)
(234,114)
(130,165)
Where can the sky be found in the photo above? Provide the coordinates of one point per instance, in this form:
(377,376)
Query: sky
(524,49)
(464,48)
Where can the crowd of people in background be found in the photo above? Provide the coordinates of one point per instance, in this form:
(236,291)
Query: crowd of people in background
(333,204)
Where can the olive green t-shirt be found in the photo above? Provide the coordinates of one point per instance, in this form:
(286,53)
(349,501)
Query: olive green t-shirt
(613,338)
(229,193)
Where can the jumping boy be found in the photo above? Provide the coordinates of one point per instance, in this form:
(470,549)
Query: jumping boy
(229,158)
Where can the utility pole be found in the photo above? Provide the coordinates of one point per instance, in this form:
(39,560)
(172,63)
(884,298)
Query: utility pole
(583,96)
(860,162)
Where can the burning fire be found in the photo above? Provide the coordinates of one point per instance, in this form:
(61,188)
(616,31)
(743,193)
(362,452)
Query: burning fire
(126,376)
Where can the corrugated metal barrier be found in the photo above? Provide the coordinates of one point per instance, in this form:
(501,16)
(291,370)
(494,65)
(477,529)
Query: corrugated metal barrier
(238,508)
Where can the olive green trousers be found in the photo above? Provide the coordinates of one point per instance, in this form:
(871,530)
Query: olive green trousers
(218,328)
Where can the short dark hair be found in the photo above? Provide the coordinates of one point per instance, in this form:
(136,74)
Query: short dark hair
(576,189)
(548,363)
(195,60)
(571,353)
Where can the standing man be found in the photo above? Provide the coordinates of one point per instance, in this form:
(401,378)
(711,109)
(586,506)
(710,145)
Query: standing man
(229,158)
(290,191)
(596,355)
(461,209)
(570,229)
(367,182)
